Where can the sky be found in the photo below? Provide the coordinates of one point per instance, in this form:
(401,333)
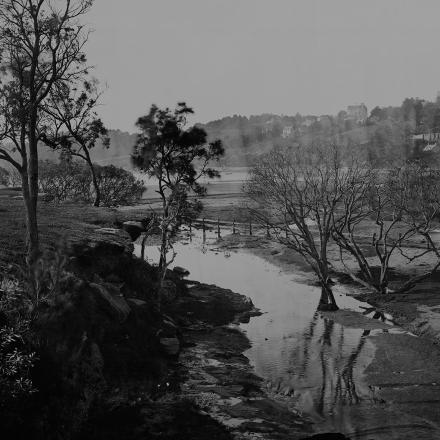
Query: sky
(226,57)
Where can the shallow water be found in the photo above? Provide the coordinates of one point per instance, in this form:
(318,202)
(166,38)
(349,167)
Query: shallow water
(311,361)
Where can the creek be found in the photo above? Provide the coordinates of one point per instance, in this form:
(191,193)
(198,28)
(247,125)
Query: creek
(303,355)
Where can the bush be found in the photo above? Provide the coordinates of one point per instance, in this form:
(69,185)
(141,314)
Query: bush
(71,180)
(16,359)
(10,177)
(59,181)
(4,176)
(14,179)
(15,365)
(118,186)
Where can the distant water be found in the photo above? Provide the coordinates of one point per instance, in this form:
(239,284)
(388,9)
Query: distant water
(230,182)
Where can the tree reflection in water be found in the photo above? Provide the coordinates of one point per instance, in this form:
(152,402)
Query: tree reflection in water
(322,375)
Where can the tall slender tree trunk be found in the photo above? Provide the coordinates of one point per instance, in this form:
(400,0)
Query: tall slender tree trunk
(29,177)
(32,238)
(32,181)
(163,251)
(163,248)
(95,182)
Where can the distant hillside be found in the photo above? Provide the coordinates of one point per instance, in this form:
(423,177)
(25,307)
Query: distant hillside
(381,136)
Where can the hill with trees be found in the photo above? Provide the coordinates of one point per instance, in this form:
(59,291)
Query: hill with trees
(386,134)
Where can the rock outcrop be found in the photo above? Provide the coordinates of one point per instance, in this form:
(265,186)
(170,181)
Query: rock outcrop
(134,229)
(100,329)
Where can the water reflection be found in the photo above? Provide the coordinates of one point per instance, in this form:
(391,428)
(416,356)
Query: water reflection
(321,374)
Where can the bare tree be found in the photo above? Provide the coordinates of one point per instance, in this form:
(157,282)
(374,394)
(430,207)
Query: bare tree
(296,193)
(385,211)
(41,45)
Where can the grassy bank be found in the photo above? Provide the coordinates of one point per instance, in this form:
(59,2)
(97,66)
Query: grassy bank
(57,224)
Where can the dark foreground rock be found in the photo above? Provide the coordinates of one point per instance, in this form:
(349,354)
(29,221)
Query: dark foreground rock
(111,366)
(134,229)
(212,305)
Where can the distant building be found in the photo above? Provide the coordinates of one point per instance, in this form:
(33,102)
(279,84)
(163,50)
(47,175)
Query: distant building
(287,131)
(426,143)
(309,120)
(357,113)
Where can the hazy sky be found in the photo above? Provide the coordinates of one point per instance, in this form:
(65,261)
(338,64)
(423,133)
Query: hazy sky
(227,57)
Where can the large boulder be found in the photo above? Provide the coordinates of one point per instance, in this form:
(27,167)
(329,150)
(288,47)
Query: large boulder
(112,301)
(213,305)
(101,251)
(180,271)
(134,229)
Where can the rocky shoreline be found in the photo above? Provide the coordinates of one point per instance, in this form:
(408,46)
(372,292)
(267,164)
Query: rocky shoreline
(112,366)
(217,375)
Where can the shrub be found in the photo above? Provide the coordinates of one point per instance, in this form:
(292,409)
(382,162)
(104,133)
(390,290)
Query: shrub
(16,359)
(14,178)
(72,180)
(58,181)
(4,176)
(15,364)
(118,186)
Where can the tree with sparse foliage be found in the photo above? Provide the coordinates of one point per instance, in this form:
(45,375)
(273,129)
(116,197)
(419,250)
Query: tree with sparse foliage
(41,45)
(73,125)
(177,157)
